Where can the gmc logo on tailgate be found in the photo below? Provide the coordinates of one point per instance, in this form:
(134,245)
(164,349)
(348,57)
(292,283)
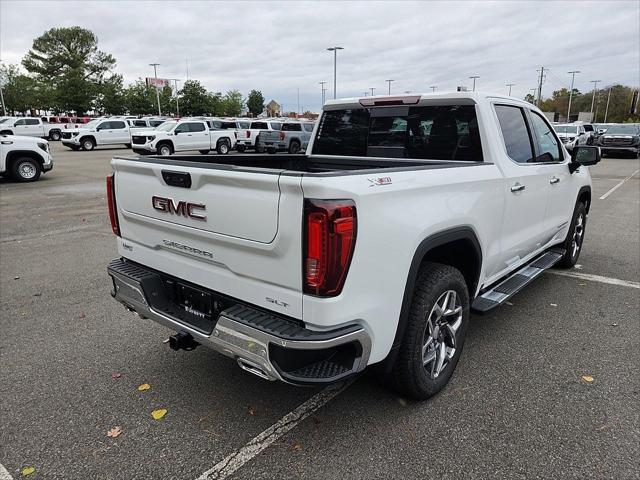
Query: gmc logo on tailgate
(186,209)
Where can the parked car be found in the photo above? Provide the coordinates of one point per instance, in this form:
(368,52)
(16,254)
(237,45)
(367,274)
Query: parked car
(293,137)
(248,138)
(620,138)
(105,131)
(407,213)
(30,127)
(180,136)
(568,132)
(24,158)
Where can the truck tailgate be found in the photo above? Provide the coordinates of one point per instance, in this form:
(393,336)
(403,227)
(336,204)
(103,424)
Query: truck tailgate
(234,231)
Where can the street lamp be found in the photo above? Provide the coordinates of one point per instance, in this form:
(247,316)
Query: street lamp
(474,81)
(389,82)
(335,61)
(510,85)
(433,88)
(573,77)
(155,75)
(593,97)
(372,90)
(322,90)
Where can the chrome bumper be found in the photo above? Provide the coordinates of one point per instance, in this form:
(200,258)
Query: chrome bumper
(248,345)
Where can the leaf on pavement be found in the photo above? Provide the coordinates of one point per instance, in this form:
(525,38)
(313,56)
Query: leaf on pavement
(114,432)
(252,411)
(553,304)
(27,471)
(143,387)
(116,375)
(582,284)
(297,447)
(82,315)
(158,414)
(402,402)
(587,378)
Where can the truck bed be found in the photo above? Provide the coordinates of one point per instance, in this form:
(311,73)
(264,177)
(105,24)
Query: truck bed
(299,164)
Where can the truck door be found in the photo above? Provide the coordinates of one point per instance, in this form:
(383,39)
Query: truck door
(553,166)
(119,132)
(34,127)
(526,188)
(200,136)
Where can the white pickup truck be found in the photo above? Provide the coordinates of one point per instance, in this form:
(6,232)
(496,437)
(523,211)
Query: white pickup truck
(249,138)
(30,127)
(24,158)
(101,131)
(181,136)
(407,213)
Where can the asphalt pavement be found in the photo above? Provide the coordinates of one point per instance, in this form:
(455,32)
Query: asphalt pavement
(547,387)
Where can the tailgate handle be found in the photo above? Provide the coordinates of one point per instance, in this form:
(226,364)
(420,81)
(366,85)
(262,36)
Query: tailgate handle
(177,179)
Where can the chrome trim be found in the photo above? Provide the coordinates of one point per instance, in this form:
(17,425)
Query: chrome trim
(248,345)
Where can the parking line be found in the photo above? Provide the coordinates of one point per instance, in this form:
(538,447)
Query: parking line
(4,474)
(618,185)
(596,278)
(254,447)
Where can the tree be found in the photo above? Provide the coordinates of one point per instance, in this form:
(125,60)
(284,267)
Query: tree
(140,99)
(111,96)
(255,102)
(67,59)
(232,103)
(21,92)
(195,100)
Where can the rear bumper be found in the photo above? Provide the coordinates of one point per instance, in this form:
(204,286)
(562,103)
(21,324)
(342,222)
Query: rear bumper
(265,344)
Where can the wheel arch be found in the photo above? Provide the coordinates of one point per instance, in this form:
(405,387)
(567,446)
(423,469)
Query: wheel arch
(84,137)
(584,196)
(458,247)
(15,155)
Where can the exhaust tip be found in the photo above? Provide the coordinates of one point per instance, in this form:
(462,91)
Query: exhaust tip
(182,341)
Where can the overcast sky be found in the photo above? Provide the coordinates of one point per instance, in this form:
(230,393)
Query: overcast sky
(280,47)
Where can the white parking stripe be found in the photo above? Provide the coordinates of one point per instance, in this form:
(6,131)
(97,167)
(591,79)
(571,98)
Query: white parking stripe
(618,185)
(4,474)
(240,457)
(596,278)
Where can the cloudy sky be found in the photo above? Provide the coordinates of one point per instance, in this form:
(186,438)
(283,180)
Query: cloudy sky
(280,47)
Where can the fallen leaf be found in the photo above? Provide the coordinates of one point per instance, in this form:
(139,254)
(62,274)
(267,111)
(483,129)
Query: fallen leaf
(614,324)
(252,411)
(116,375)
(27,471)
(37,294)
(553,304)
(114,432)
(82,315)
(509,303)
(297,447)
(587,378)
(402,402)
(158,414)
(143,387)
(582,284)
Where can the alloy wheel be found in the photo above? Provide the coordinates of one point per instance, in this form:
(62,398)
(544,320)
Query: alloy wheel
(439,338)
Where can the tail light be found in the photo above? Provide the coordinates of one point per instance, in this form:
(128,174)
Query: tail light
(248,134)
(236,134)
(111,200)
(329,241)
(281,135)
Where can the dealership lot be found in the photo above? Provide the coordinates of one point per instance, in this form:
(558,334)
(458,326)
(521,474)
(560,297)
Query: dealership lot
(72,359)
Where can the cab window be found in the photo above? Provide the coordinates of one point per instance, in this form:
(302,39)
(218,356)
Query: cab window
(515,133)
(117,125)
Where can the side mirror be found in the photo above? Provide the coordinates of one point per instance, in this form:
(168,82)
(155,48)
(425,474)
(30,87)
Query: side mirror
(584,155)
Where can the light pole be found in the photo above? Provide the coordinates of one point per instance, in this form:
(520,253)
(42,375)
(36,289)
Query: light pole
(372,90)
(389,82)
(474,82)
(573,77)
(606,110)
(433,88)
(175,82)
(335,63)
(510,85)
(155,75)
(322,90)
(593,97)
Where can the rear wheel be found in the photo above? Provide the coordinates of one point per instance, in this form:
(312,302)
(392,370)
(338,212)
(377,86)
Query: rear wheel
(55,135)
(575,237)
(88,144)
(165,149)
(294,147)
(223,147)
(259,146)
(435,332)
(25,169)
(240,148)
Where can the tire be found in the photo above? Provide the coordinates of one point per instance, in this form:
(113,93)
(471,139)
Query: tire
(259,148)
(25,169)
(88,144)
(294,147)
(223,147)
(241,148)
(575,238)
(271,150)
(165,149)
(203,152)
(418,371)
(55,135)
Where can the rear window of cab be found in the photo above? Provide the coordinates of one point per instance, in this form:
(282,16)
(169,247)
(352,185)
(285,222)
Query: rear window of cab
(447,132)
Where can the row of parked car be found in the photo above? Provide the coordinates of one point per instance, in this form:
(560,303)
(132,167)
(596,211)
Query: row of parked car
(612,138)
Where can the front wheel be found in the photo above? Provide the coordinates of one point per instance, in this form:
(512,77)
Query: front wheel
(165,150)
(434,334)
(25,169)
(88,144)
(575,237)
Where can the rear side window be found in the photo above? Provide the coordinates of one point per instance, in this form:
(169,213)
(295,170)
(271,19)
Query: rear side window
(276,126)
(228,125)
(31,121)
(343,132)
(244,124)
(259,126)
(196,127)
(155,123)
(548,144)
(291,127)
(515,133)
(139,123)
(308,127)
(117,125)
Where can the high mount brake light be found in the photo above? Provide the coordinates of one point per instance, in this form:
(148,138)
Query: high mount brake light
(111,200)
(329,241)
(389,101)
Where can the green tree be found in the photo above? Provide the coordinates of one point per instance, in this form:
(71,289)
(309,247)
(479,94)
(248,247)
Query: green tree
(111,96)
(255,102)
(232,103)
(21,92)
(195,100)
(67,59)
(140,99)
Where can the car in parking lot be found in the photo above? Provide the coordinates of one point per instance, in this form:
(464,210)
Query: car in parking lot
(31,127)
(248,139)
(571,134)
(24,158)
(293,137)
(407,212)
(105,131)
(620,139)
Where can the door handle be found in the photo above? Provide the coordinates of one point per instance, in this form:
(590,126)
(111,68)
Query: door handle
(554,180)
(7,142)
(517,187)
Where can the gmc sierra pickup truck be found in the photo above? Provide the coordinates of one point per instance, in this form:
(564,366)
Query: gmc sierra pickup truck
(406,213)
(30,127)
(183,135)
(24,158)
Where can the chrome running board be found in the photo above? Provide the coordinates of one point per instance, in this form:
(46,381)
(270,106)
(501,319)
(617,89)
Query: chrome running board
(505,289)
